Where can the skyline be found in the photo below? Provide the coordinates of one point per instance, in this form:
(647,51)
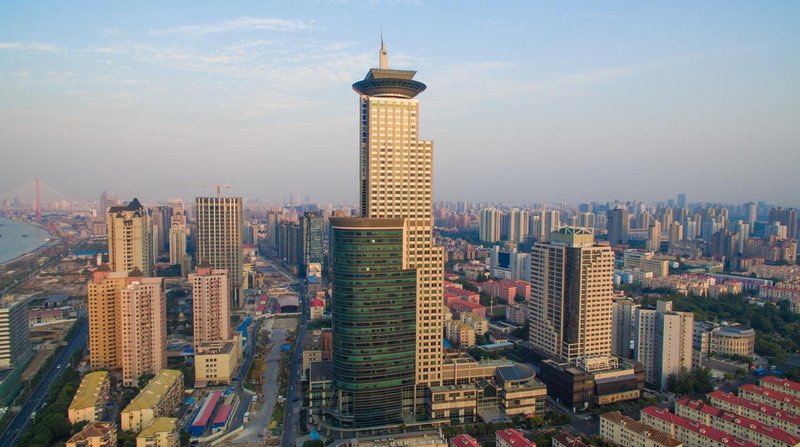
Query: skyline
(706,89)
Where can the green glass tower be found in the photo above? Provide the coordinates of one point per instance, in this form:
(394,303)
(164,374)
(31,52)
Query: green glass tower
(374,322)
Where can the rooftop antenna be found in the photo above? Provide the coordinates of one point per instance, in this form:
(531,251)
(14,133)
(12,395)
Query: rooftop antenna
(383,60)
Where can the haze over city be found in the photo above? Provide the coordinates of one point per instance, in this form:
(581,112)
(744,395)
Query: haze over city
(626,100)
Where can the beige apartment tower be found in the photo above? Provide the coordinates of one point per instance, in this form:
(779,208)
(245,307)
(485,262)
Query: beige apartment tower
(571,291)
(104,318)
(219,238)
(143,328)
(395,177)
(211,304)
(130,238)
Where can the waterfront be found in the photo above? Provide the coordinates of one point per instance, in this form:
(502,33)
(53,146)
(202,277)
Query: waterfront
(12,242)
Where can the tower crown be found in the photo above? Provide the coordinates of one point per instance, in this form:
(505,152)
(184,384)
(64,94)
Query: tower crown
(383,81)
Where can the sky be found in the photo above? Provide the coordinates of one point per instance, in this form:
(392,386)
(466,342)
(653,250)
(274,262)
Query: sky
(559,101)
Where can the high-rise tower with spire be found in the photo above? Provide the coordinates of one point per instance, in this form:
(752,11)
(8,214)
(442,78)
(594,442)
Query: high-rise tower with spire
(372,257)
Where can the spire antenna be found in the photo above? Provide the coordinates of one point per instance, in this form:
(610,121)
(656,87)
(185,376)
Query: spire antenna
(383,59)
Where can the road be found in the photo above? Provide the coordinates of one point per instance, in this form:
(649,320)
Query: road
(245,396)
(294,398)
(21,420)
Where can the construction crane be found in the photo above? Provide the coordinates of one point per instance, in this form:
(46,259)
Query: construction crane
(218,186)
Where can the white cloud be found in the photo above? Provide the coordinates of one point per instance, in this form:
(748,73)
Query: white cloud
(240,24)
(34,46)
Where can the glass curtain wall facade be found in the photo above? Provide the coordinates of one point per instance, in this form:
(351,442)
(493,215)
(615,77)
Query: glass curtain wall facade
(374,322)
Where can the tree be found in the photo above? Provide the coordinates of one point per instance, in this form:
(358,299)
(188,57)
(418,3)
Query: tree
(144,378)
(186,438)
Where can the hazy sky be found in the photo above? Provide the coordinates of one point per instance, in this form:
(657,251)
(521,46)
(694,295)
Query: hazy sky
(526,101)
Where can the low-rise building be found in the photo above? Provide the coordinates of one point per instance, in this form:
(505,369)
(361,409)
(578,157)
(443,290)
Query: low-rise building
(759,411)
(95,434)
(567,439)
(90,398)
(734,339)
(511,438)
(464,440)
(737,425)
(517,313)
(216,361)
(690,433)
(160,397)
(777,399)
(162,432)
(783,385)
(460,333)
(623,430)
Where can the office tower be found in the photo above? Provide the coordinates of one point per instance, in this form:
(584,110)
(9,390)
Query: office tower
(373,321)
(622,315)
(395,180)
(177,245)
(618,223)
(654,236)
(130,240)
(211,306)
(681,200)
(490,225)
(663,342)
(15,343)
(272,232)
(143,328)
(313,248)
(219,238)
(104,318)
(570,306)
(159,229)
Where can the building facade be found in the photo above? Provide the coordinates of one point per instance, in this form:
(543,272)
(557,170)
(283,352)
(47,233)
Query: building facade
(130,238)
(663,342)
(374,327)
(211,304)
(15,343)
(143,328)
(219,239)
(570,306)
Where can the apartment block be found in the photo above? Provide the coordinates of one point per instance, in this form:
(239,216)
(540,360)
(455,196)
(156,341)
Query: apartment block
(211,306)
(217,361)
(162,432)
(777,399)
(130,238)
(779,384)
(95,434)
(690,433)
(663,342)
(759,411)
(511,438)
(90,399)
(160,397)
(143,328)
(737,425)
(628,432)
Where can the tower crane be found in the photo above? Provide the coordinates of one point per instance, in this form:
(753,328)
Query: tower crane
(218,186)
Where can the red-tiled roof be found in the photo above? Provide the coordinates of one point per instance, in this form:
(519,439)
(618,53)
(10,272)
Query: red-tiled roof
(464,441)
(696,427)
(772,394)
(760,407)
(514,438)
(777,382)
(749,424)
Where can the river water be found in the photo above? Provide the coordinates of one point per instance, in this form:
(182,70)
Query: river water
(12,242)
